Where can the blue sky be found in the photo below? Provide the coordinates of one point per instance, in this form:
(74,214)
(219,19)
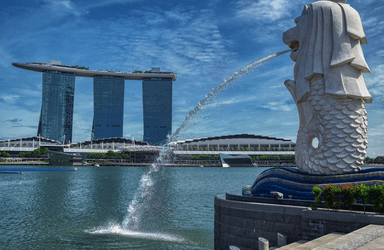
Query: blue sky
(204,42)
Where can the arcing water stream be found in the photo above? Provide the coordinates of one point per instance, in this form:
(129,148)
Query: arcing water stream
(220,87)
(145,195)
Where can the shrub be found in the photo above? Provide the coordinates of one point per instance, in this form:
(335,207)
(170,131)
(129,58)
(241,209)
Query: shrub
(377,195)
(332,197)
(314,207)
(4,154)
(316,191)
(349,193)
(363,192)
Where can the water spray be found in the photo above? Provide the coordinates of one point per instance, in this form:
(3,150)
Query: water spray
(219,88)
(132,221)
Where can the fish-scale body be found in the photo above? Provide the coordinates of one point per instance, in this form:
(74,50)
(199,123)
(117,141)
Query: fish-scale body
(340,125)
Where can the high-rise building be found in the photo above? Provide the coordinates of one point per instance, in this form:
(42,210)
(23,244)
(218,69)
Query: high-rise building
(58,91)
(157,110)
(56,117)
(108,99)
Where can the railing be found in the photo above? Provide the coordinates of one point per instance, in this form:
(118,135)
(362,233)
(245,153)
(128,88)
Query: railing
(18,148)
(141,148)
(211,148)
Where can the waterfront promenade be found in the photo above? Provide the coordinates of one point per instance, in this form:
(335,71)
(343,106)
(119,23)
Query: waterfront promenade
(21,161)
(123,164)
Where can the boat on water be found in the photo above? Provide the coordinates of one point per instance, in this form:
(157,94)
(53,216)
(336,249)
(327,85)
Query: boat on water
(236,161)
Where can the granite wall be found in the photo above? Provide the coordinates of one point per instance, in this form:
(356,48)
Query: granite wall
(241,223)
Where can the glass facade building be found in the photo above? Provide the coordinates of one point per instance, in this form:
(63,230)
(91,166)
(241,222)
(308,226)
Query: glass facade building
(157,110)
(56,117)
(108,98)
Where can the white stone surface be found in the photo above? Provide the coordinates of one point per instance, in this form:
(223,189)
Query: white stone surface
(263,244)
(329,88)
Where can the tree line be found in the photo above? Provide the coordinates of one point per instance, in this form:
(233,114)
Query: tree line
(109,155)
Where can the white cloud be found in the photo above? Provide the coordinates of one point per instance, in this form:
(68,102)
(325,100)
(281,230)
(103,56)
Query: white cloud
(375,82)
(10,98)
(188,48)
(265,10)
(281,106)
(97,4)
(63,7)
(235,100)
(6,58)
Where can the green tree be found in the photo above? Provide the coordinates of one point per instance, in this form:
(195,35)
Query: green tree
(111,154)
(377,194)
(4,154)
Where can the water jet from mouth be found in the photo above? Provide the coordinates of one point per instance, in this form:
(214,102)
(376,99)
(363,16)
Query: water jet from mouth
(145,192)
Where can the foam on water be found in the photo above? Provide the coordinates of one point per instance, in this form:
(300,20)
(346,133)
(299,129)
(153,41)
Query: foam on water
(117,229)
(16,183)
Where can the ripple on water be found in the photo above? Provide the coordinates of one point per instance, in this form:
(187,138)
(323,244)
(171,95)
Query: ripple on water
(17,183)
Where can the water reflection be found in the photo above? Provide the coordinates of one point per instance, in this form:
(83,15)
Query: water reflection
(50,206)
(106,186)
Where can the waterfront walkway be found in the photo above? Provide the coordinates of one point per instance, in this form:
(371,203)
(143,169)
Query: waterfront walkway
(370,237)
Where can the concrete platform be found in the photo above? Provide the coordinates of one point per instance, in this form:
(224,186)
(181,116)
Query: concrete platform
(309,245)
(241,223)
(370,237)
(293,245)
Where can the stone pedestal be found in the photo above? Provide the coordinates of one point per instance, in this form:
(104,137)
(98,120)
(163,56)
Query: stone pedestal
(241,223)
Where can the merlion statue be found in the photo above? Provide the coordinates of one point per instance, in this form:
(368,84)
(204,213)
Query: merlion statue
(329,88)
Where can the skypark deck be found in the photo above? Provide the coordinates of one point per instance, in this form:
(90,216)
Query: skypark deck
(42,67)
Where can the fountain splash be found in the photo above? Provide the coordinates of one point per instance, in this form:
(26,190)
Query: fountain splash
(144,194)
(117,229)
(145,191)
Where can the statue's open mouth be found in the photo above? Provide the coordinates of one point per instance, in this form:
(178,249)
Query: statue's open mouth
(294,45)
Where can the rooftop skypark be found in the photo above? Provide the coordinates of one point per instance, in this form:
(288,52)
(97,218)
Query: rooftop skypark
(86,72)
(56,117)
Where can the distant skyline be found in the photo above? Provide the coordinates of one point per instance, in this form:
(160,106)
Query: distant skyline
(204,42)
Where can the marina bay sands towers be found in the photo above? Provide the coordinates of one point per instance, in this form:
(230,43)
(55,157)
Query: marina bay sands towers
(157,110)
(108,105)
(56,117)
(56,114)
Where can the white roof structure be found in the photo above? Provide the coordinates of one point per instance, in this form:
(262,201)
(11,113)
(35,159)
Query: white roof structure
(82,71)
(236,139)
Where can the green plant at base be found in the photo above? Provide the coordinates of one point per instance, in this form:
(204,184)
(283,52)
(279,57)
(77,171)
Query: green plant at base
(363,194)
(331,196)
(334,195)
(316,191)
(314,207)
(349,193)
(377,194)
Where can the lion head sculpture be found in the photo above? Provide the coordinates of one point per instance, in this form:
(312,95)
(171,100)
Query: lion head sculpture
(327,41)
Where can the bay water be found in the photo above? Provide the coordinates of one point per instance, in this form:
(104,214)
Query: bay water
(85,209)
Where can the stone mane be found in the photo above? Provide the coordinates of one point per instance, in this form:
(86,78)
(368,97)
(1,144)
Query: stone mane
(330,39)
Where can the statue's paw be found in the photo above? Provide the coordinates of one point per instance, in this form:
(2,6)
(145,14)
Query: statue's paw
(289,82)
(291,86)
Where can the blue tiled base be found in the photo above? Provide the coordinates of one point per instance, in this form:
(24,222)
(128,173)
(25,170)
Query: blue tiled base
(297,185)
